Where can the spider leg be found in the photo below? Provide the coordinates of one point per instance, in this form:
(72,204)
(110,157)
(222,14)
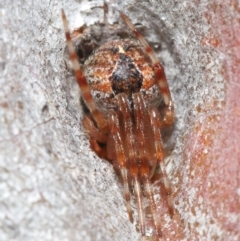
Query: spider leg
(142,121)
(156,124)
(100,151)
(93,131)
(96,137)
(130,149)
(121,162)
(168,118)
(84,87)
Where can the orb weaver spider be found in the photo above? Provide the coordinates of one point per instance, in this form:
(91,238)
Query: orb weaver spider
(122,84)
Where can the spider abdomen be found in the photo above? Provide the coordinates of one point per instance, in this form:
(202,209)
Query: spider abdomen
(120,66)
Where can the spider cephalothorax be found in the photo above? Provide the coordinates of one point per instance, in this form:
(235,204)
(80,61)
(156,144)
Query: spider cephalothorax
(123,83)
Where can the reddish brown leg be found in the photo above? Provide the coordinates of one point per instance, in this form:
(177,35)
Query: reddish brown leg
(93,131)
(141,118)
(168,118)
(120,162)
(156,124)
(130,150)
(84,87)
(96,137)
(101,152)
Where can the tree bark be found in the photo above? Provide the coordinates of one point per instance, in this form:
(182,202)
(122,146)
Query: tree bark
(53,187)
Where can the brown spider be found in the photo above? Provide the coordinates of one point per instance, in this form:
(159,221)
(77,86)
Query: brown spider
(123,83)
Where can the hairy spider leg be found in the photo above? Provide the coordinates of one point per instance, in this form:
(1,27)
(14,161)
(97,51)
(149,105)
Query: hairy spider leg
(156,124)
(96,136)
(132,155)
(142,131)
(159,74)
(121,161)
(84,87)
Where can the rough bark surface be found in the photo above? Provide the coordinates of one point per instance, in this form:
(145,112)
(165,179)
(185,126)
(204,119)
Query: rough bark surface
(53,187)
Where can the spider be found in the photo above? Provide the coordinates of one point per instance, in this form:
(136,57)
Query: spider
(123,84)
